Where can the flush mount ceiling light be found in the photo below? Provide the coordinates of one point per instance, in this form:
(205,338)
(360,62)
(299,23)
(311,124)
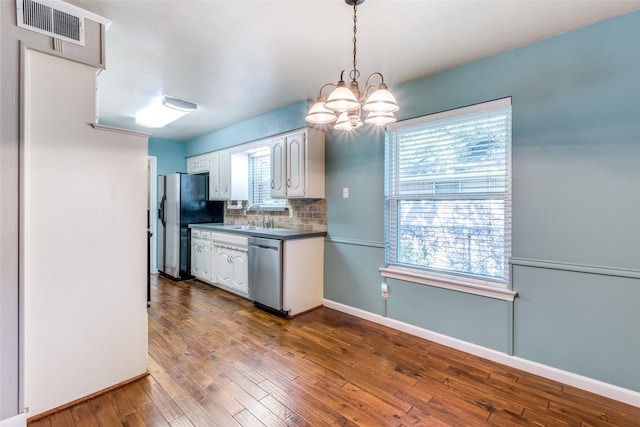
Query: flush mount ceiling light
(347,102)
(162,111)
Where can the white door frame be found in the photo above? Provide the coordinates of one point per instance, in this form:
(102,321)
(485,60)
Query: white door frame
(153,212)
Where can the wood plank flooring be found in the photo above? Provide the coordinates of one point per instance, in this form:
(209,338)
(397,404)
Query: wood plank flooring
(215,360)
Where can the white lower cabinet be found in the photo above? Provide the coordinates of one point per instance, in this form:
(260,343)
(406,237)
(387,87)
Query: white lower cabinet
(232,270)
(302,275)
(201,256)
(220,259)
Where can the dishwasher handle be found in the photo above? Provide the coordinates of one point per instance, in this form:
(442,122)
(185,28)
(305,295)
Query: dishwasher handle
(265,247)
(266,243)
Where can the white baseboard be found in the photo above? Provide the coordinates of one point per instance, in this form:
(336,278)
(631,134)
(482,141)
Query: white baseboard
(19,420)
(585,383)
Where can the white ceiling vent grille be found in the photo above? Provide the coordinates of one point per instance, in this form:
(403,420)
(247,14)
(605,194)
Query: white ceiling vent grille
(53,18)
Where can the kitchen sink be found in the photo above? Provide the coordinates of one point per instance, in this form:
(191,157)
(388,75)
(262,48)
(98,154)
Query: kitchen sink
(248,227)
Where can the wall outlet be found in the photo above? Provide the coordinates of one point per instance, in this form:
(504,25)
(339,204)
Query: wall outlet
(385,290)
(345,193)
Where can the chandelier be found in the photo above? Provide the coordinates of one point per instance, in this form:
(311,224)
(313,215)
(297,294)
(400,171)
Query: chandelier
(345,103)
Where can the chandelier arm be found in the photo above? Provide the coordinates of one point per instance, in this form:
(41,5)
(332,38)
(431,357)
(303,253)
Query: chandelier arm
(367,91)
(367,86)
(324,86)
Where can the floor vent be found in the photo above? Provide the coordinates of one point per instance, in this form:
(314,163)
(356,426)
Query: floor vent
(54,18)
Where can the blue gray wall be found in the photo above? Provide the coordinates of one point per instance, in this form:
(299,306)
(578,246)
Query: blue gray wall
(170,155)
(576,204)
(272,123)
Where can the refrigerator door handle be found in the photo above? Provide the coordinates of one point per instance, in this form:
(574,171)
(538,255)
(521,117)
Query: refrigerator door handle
(161,211)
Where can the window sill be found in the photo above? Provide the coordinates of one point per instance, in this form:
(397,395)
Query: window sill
(460,284)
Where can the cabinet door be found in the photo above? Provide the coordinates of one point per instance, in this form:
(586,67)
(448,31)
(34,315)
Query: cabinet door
(240,271)
(224,175)
(192,165)
(223,266)
(195,258)
(198,164)
(214,176)
(203,163)
(278,168)
(201,259)
(204,261)
(296,165)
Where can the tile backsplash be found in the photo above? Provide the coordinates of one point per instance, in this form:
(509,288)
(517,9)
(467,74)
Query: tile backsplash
(301,214)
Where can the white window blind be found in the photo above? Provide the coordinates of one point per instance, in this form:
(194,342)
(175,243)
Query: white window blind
(260,180)
(448,192)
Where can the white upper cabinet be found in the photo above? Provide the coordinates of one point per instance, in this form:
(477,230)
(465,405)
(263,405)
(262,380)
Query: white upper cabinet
(198,164)
(228,176)
(219,177)
(297,165)
(278,167)
(239,176)
(225,174)
(214,176)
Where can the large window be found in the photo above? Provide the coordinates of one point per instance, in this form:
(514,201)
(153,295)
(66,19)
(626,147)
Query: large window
(448,193)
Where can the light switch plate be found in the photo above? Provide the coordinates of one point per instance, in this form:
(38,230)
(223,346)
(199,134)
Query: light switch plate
(345,193)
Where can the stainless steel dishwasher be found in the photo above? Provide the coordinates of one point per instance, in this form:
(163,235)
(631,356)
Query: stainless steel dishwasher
(265,274)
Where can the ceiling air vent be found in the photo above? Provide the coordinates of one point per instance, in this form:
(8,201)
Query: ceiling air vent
(52,17)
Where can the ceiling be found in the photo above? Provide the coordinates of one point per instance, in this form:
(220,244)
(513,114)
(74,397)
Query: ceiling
(241,58)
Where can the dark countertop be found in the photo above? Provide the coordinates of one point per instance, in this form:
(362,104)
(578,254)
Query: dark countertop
(269,233)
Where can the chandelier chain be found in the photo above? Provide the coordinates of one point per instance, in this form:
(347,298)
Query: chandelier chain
(355,74)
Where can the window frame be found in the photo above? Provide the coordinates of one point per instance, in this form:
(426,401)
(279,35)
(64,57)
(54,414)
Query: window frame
(469,283)
(271,204)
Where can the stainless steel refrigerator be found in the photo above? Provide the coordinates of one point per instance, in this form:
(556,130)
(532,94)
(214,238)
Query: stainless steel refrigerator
(183,201)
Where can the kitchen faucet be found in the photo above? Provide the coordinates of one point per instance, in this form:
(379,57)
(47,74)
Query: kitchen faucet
(261,210)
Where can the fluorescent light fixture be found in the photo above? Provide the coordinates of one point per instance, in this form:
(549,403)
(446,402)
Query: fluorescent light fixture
(162,111)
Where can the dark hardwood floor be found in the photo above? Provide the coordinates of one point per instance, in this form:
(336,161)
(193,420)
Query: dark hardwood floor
(215,360)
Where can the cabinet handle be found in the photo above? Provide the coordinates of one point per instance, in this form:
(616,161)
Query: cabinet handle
(288,182)
(273,185)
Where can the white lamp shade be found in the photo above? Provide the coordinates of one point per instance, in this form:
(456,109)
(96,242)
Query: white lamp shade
(381,101)
(344,122)
(341,99)
(319,114)
(380,119)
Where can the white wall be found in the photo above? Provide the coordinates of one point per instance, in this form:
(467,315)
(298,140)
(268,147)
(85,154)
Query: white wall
(11,291)
(84,230)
